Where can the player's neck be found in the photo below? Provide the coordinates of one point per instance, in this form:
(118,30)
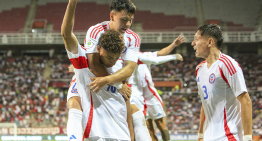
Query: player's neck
(213,56)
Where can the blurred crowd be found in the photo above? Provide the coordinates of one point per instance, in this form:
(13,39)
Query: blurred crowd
(25,97)
(27,100)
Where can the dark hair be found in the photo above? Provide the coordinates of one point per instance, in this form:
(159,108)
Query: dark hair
(112,41)
(120,5)
(214,31)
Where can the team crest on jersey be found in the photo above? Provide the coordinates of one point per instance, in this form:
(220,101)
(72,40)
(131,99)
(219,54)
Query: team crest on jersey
(124,50)
(74,90)
(212,78)
(89,43)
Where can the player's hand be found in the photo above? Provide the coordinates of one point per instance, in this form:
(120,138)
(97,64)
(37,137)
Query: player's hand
(200,139)
(179,40)
(125,91)
(98,83)
(179,57)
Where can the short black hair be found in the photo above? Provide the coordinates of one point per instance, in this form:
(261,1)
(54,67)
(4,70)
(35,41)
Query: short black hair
(120,5)
(214,31)
(112,41)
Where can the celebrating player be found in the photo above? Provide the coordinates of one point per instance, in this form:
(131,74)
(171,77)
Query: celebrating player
(121,17)
(143,87)
(226,106)
(105,112)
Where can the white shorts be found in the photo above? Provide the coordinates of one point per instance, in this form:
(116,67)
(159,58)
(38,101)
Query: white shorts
(102,139)
(137,97)
(72,91)
(153,103)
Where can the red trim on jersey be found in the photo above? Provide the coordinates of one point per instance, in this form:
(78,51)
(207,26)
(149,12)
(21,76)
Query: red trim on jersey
(137,43)
(223,76)
(95,31)
(153,92)
(196,71)
(145,107)
(129,85)
(80,62)
(90,119)
(129,41)
(229,64)
(201,63)
(226,66)
(82,47)
(139,62)
(71,83)
(229,135)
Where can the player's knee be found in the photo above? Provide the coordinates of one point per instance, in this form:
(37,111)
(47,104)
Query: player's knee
(134,108)
(74,103)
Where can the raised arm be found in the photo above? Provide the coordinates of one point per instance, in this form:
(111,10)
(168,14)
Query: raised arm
(165,51)
(69,38)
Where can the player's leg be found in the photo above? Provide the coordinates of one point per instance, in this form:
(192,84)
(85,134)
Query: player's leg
(161,125)
(130,120)
(75,115)
(139,122)
(149,123)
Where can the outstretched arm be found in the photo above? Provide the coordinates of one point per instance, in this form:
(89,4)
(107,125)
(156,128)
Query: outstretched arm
(147,59)
(165,51)
(69,38)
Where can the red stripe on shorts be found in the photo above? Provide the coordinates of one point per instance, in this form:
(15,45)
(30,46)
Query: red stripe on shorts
(90,119)
(154,93)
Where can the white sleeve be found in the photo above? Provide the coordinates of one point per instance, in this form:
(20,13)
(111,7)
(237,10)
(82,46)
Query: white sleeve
(149,59)
(92,38)
(131,53)
(234,77)
(78,60)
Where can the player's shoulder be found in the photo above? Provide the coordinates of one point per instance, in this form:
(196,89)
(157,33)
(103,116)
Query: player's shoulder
(229,63)
(97,29)
(200,64)
(131,33)
(132,37)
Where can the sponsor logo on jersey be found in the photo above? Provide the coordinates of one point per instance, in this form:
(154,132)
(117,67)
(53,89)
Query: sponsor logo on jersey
(90,43)
(72,137)
(124,50)
(74,90)
(212,78)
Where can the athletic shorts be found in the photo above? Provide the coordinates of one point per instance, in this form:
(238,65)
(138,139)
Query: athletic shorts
(72,91)
(153,103)
(137,97)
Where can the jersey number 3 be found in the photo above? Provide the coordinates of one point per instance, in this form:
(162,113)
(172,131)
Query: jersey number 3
(205,91)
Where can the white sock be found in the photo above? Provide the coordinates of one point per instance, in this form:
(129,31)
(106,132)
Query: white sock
(140,128)
(74,125)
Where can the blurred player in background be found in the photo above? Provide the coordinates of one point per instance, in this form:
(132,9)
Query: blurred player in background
(226,111)
(143,91)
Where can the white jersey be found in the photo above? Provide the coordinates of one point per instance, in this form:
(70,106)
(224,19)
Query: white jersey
(131,40)
(105,112)
(218,87)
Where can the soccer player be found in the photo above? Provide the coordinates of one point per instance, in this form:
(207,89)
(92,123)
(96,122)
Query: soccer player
(144,91)
(105,112)
(226,112)
(121,17)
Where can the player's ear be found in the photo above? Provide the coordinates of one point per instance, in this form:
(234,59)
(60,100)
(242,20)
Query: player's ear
(210,42)
(112,16)
(98,48)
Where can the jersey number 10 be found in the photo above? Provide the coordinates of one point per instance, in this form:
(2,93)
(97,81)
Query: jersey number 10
(113,89)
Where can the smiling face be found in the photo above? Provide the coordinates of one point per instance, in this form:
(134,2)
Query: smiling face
(201,45)
(121,21)
(107,58)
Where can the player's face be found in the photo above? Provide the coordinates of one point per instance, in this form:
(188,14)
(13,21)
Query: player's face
(107,58)
(121,21)
(200,44)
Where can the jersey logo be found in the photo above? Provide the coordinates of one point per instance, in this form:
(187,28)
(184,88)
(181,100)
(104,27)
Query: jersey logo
(74,90)
(212,78)
(124,50)
(72,137)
